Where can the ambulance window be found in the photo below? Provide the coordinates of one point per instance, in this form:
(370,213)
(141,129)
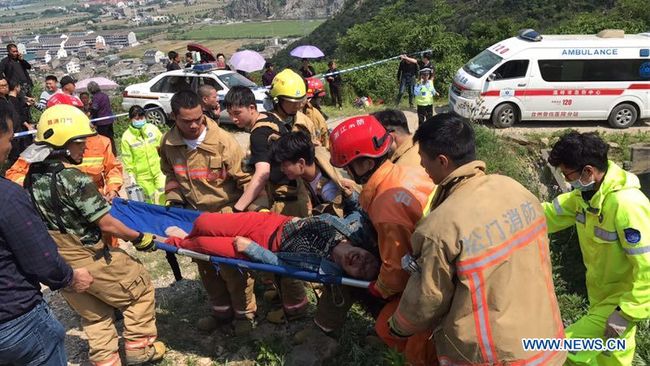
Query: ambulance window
(481,63)
(512,70)
(594,70)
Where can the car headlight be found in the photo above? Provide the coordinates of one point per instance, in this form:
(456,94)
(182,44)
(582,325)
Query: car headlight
(470,94)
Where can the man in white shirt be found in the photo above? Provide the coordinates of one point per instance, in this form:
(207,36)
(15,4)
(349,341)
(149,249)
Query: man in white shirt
(51,87)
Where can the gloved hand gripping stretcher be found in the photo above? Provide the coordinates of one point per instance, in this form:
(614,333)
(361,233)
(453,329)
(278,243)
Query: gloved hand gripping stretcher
(156,219)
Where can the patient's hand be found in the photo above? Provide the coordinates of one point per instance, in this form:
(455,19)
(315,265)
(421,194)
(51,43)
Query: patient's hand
(240,243)
(175,231)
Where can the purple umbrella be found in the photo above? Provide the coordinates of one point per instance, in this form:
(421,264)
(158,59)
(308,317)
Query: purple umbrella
(247,61)
(103,83)
(307,52)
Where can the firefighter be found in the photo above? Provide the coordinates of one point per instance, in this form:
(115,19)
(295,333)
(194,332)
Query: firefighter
(405,152)
(139,148)
(311,109)
(394,198)
(612,218)
(287,197)
(77,215)
(480,266)
(99,163)
(202,164)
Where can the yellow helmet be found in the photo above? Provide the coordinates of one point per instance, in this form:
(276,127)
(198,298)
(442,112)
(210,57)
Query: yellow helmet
(288,85)
(60,124)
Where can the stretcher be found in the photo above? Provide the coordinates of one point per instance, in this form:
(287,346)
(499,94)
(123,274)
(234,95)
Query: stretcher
(155,219)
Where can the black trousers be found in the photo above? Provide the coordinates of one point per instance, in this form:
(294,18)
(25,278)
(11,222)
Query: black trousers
(424,113)
(107,130)
(335,94)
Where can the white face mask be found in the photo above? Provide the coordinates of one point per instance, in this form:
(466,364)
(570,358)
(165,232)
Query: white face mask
(583,187)
(138,123)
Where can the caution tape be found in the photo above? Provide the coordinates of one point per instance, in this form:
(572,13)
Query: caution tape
(365,66)
(33,132)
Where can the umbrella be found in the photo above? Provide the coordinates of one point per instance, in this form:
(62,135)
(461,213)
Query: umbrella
(103,83)
(247,61)
(307,52)
(206,54)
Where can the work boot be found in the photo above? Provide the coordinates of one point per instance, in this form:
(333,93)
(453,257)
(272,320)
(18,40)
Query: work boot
(311,331)
(210,323)
(151,353)
(282,315)
(243,326)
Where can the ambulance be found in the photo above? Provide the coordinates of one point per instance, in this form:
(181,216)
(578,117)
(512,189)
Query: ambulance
(557,78)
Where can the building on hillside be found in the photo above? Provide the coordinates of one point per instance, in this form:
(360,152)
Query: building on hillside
(73,66)
(152,57)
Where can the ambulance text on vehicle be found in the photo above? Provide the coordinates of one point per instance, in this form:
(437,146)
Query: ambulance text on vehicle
(557,77)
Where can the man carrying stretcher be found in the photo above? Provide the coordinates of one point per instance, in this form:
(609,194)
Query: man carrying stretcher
(258,235)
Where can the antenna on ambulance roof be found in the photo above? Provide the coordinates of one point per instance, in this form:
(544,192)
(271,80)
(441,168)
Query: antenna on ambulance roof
(529,35)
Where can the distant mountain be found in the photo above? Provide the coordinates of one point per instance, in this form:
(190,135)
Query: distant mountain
(282,9)
(327,34)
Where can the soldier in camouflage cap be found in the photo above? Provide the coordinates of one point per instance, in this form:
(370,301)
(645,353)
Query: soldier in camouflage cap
(77,216)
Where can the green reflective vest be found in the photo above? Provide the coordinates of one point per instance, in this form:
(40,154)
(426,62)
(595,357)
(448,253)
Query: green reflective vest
(139,148)
(424,93)
(614,230)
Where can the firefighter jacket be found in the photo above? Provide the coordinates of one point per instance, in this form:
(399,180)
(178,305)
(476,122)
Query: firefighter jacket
(209,178)
(322,133)
(394,198)
(613,230)
(139,147)
(482,273)
(99,163)
(407,154)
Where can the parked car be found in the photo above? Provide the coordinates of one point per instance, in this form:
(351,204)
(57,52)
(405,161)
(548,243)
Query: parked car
(155,95)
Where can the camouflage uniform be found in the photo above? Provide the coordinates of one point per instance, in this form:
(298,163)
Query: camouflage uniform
(120,281)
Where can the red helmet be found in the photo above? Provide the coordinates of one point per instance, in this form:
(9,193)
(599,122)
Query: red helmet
(361,136)
(61,98)
(315,87)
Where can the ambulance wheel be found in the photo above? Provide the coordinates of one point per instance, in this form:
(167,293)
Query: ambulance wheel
(505,115)
(623,116)
(156,116)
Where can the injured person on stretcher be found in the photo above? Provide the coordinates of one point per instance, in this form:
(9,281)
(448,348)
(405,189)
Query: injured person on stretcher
(311,243)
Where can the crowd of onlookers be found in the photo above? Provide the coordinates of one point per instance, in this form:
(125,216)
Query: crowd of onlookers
(16,98)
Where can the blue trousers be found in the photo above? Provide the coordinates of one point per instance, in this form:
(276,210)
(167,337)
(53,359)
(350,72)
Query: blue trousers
(33,339)
(407,83)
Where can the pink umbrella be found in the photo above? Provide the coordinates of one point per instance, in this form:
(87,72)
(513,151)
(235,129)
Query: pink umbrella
(247,60)
(103,83)
(307,51)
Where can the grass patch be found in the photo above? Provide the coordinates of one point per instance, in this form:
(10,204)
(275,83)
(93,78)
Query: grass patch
(281,28)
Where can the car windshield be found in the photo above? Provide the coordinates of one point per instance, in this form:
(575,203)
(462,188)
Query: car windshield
(232,79)
(482,63)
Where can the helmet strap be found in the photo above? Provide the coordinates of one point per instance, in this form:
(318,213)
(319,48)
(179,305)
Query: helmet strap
(364,178)
(64,154)
(283,110)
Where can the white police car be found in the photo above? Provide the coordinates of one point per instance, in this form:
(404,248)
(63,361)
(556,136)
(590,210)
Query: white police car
(155,95)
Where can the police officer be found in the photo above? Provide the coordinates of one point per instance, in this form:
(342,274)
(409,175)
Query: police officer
(76,215)
(612,217)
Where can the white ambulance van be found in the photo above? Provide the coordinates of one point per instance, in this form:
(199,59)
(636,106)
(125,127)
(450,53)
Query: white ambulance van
(558,78)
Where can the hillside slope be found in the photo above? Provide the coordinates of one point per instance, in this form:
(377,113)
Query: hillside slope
(282,9)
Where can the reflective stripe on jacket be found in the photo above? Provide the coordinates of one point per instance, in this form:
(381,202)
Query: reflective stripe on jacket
(614,230)
(98,162)
(484,279)
(209,178)
(139,148)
